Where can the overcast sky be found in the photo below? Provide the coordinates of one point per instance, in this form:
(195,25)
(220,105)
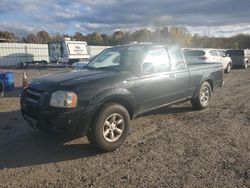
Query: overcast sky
(206,17)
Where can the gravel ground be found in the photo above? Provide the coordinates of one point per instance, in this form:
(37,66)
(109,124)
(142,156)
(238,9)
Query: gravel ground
(171,147)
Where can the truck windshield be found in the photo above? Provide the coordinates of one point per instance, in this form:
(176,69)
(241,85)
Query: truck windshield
(118,58)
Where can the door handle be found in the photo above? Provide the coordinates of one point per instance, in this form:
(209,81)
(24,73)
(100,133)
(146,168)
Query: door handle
(172,76)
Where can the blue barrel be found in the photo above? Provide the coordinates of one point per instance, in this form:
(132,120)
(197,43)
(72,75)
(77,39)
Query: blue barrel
(8,80)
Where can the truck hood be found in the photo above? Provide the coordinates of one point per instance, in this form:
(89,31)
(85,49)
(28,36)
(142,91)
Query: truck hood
(69,80)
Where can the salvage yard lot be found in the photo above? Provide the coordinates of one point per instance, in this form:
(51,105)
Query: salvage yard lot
(171,147)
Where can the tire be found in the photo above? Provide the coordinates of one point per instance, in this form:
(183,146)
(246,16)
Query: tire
(245,65)
(90,137)
(110,128)
(201,101)
(229,67)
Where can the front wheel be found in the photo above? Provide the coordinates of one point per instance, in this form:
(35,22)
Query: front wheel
(110,128)
(201,101)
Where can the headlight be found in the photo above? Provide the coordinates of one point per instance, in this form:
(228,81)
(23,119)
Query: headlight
(63,99)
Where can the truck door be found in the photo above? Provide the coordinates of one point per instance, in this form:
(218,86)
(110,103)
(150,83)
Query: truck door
(180,73)
(156,84)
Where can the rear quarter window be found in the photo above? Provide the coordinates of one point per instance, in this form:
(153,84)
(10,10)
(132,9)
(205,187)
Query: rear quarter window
(193,53)
(176,58)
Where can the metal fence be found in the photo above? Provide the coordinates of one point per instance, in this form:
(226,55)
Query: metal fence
(13,53)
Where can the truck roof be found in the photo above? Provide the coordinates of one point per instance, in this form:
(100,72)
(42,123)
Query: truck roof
(145,44)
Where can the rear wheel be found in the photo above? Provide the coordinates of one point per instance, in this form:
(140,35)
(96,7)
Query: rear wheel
(201,101)
(229,67)
(110,128)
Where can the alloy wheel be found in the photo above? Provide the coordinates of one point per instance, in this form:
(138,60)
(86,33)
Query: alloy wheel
(113,127)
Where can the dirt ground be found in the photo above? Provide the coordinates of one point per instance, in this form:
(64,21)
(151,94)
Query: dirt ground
(172,147)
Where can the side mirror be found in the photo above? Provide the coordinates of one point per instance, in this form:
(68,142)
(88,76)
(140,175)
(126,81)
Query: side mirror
(148,67)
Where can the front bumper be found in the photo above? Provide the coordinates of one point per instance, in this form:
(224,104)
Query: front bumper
(40,115)
(55,120)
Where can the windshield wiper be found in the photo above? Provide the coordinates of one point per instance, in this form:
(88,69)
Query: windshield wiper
(109,68)
(102,68)
(90,67)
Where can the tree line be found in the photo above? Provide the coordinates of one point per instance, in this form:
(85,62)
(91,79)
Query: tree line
(179,35)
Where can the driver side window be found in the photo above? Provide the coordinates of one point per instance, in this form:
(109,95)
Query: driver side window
(157,60)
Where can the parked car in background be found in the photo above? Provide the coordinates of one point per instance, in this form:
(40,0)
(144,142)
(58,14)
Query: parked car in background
(208,56)
(116,86)
(240,58)
(247,55)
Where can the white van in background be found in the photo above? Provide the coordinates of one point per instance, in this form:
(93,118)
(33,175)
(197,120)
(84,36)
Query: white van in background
(68,51)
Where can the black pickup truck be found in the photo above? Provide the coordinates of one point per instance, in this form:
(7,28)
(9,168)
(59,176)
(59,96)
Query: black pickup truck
(116,86)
